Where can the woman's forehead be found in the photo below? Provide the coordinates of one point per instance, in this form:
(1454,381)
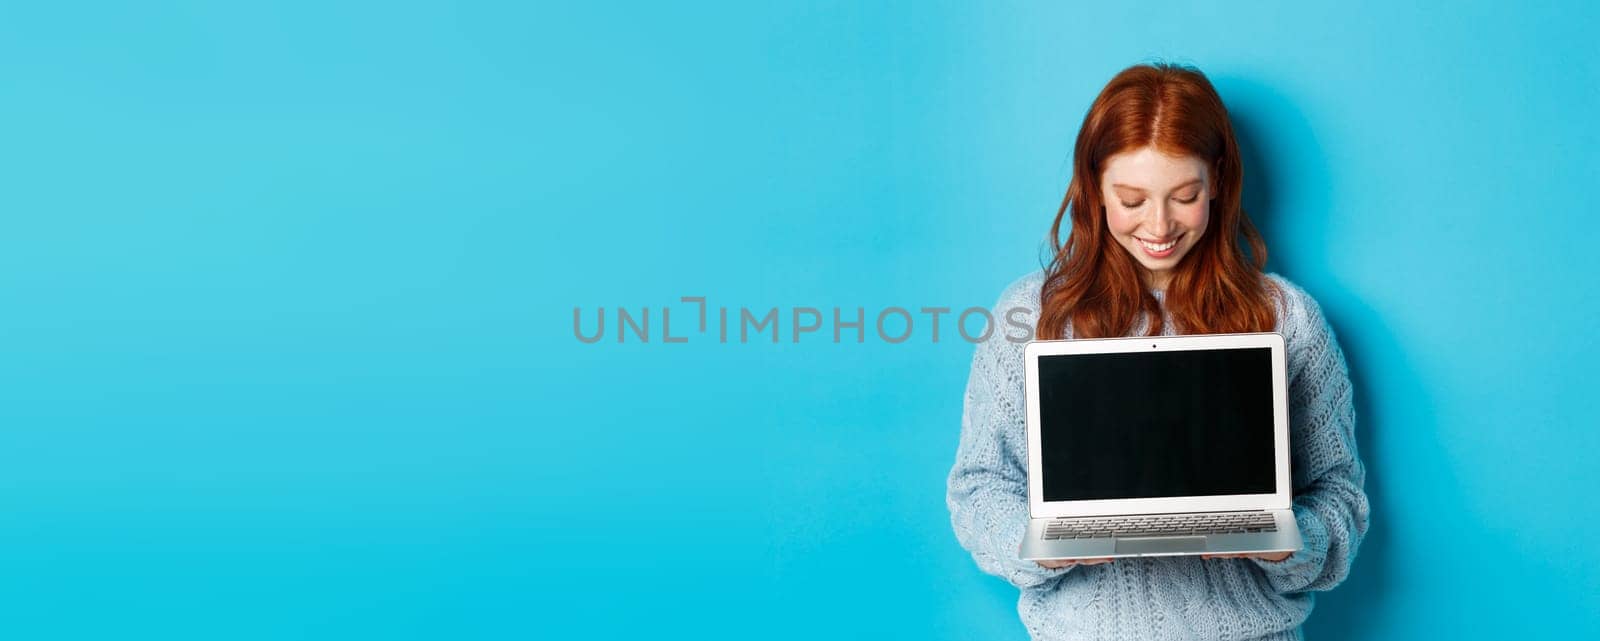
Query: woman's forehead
(1148,169)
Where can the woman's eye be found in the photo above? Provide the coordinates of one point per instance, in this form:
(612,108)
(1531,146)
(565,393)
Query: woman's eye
(1189,199)
(1132,205)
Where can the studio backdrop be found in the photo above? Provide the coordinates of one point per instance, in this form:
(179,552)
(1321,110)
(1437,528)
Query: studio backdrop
(429,320)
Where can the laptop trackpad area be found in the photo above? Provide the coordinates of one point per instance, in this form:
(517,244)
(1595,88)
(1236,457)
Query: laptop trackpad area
(1166,545)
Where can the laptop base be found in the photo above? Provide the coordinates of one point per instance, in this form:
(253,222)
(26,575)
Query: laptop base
(1285,539)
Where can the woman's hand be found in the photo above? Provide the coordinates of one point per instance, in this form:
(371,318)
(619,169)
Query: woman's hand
(1066,563)
(1267,556)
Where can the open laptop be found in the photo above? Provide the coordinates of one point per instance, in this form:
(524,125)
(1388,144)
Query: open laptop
(1158,446)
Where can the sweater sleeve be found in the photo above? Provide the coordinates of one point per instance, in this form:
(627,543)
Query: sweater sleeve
(1330,505)
(987,486)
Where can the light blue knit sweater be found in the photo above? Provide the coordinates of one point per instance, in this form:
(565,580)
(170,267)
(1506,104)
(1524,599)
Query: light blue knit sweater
(1166,597)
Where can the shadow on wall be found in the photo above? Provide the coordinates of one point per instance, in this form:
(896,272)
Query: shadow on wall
(1284,162)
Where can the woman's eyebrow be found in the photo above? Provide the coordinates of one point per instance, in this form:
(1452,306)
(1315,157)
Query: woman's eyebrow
(1132,188)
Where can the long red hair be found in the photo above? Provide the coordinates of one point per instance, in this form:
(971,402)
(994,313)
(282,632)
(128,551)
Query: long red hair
(1094,285)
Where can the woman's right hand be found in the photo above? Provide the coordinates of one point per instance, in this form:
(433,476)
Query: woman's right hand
(1066,563)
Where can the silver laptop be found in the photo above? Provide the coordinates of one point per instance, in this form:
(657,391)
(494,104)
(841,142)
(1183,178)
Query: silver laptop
(1158,446)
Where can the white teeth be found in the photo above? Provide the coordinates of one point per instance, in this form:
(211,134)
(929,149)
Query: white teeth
(1158,248)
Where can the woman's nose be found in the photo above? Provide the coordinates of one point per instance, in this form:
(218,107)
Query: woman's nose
(1161,220)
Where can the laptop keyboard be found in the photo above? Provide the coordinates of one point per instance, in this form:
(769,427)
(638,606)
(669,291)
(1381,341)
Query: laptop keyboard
(1160,525)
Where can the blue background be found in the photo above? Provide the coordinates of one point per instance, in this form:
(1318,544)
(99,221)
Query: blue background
(286,345)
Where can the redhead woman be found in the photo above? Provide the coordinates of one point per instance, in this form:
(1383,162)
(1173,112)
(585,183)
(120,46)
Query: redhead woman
(1159,245)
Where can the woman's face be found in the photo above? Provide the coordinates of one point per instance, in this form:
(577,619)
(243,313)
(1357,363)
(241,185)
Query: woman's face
(1157,207)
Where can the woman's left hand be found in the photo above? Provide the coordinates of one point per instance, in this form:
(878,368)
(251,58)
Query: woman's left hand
(1268,556)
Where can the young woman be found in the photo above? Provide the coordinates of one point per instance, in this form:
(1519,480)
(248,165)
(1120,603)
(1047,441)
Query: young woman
(1159,246)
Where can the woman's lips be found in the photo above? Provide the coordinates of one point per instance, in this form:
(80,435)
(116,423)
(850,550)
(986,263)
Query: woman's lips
(1158,250)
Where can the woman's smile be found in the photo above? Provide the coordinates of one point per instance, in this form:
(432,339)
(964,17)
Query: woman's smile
(1155,249)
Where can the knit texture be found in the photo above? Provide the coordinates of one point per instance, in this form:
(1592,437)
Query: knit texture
(1165,597)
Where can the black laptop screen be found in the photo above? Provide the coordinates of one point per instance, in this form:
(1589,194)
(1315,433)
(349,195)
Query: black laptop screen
(1157,424)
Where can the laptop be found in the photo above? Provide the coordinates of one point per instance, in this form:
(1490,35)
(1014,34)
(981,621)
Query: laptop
(1158,446)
